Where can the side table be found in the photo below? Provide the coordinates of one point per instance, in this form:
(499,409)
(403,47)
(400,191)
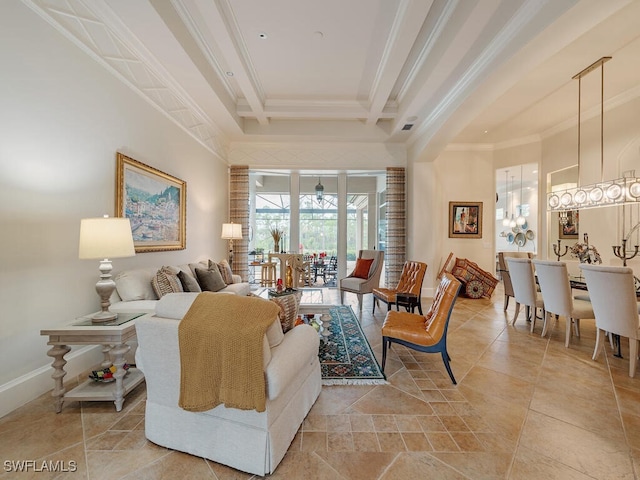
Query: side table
(409,301)
(113,337)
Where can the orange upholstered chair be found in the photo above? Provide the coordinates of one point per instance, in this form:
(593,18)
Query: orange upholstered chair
(410,282)
(424,333)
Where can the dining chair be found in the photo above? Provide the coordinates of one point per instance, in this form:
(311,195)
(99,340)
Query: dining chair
(556,292)
(613,295)
(503,268)
(525,291)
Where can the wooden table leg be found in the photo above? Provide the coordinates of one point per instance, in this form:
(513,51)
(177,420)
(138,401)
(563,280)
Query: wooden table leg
(58,352)
(106,362)
(118,361)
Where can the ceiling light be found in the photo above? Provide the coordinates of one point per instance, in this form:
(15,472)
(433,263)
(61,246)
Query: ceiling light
(619,191)
(319,191)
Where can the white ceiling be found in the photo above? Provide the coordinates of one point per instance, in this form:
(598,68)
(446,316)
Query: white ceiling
(460,71)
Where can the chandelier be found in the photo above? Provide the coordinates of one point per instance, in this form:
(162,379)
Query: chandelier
(619,191)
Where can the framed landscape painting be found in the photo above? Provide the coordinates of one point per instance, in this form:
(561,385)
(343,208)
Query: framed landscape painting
(155,203)
(465,219)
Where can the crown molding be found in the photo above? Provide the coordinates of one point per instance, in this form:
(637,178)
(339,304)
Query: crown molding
(97,23)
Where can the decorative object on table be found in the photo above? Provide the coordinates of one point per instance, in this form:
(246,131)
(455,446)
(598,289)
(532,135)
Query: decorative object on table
(288,282)
(466,271)
(465,219)
(279,285)
(584,252)
(231,231)
(619,191)
(621,251)
(104,238)
(276,234)
(345,355)
(568,224)
(557,250)
(520,239)
(156,204)
(106,374)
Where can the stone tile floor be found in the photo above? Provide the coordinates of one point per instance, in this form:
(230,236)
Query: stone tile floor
(524,407)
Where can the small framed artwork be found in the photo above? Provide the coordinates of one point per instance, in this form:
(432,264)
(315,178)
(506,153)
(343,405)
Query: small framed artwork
(569,229)
(155,203)
(465,219)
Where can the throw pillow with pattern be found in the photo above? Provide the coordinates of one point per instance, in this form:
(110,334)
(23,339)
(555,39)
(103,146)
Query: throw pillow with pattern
(166,281)
(289,305)
(226,272)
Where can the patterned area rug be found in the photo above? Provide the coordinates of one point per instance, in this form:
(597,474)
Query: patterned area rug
(345,355)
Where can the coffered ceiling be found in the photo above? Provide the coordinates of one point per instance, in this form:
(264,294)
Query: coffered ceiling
(462,71)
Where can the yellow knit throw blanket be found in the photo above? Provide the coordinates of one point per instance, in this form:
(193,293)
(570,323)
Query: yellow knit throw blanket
(220,340)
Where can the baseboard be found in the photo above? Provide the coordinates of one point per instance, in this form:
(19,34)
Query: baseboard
(31,385)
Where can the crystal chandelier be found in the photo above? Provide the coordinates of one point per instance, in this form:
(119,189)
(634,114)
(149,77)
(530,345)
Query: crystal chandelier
(619,191)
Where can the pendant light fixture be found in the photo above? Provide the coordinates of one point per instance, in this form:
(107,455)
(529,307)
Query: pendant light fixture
(505,218)
(512,221)
(619,191)
(520,220)
(319,191)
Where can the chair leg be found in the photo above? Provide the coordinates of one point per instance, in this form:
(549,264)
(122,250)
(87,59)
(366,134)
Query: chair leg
(633,356)
(341,297)
(513,322)
(599,343)
(533,318)
(445,359)
(545,323)
(375,301)
(506,302)
(527,310)
(576,327)
(360,302)
(384,352)
(567,335)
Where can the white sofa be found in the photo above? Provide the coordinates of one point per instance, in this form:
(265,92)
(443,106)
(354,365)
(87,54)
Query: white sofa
(134,292)
(243,439)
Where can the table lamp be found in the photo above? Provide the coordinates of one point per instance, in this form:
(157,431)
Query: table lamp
(231,231)
(104,238)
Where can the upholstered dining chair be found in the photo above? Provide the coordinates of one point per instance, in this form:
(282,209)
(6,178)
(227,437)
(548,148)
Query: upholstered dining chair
(525,291)
(410,281)
(365,275)
(503,267)
(424,333)
(613,296)
(556,292)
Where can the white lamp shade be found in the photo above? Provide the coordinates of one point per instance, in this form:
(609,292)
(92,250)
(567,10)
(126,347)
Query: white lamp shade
(231,231)
(105,238)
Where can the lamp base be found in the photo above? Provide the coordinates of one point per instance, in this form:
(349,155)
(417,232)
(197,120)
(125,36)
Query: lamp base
(102,317)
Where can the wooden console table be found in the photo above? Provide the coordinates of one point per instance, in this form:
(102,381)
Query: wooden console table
(113,337)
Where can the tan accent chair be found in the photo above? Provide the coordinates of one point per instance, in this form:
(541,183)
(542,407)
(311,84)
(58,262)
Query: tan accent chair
(410,281)
(506,276)
(426,333)
(360,286)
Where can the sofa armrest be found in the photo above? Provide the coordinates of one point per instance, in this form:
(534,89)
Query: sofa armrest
(237,278)
(299,347)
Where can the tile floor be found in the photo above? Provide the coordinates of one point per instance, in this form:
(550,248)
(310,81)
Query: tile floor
(525,408)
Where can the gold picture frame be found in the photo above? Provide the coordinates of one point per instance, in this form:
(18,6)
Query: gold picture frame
(156,204)
(465,219)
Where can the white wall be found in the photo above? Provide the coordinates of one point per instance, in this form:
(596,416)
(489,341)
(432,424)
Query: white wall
(62,119)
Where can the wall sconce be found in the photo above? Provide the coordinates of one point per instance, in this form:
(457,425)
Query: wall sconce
(105,238)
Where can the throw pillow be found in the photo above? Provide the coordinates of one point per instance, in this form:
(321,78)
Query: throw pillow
(166,281)
(289,305)
(189,284)
(363,265)
(226,272)
(210,280)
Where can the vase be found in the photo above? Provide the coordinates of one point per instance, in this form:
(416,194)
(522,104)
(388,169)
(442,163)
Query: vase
(276,246)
